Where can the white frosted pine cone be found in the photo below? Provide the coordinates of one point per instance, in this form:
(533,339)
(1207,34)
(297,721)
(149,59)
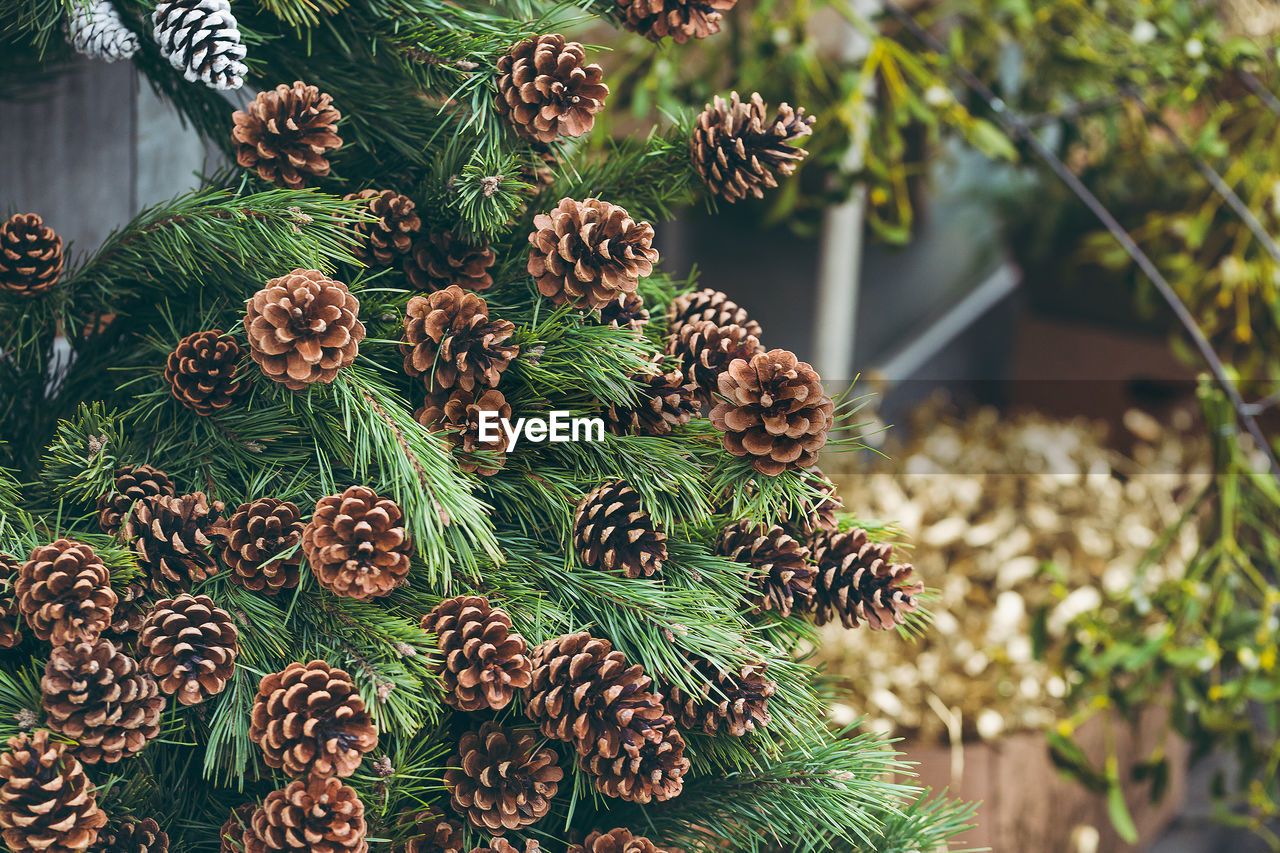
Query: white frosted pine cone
(96,31)
(200,39)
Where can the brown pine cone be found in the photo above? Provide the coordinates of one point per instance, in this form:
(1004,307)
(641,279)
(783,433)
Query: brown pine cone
(233,829)
(651,771)
(130,613)
(774,410)
(822,515)
(450,341)
(132,836)
(485,662)
(546,89)
(47,803)
(664,400)
(389,237)
(201,372)
(132,484)
(680,19)
(432,833)
(502,845)
(303,328)
(190,646)
(10,615)
(708,305)
(356,544)
(316,815)
(858,581)
(780,567)
(738,700)
(615,841)
(583,693)
(612,533)
(64,592)
(310,718)
(500,780)
(441,258)
(175,539)
(738,150)
(31,256)
(259,533)
(97,695)
(706,350)
(458,417)
(286,134)
(624,311)
(585,253)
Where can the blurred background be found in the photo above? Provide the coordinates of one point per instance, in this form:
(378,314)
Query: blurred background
(1096,531)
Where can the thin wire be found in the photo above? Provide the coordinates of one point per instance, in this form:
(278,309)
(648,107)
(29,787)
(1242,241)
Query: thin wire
(1017,127)
(1254,85)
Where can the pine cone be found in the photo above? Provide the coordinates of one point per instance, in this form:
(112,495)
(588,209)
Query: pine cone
(201,372)
(303,328)
(774,410)
(175,538)
(612,532)
(624,311)
(780,567)
(615,841)
(738,150)
(680,19)
(737,701)
(432,833)
(233,829)
(585,253)
(318,815)
(546,89)
(31,256)
(583,693)
(132,836)
(259,533)
(200,39)
(10,615)
(96,31)
(664,401)
(132,484)
(858,580)
(500,780)
(47,804)
(458,417)
(286,134)
(356,544)
(502,845)
(485,662)
(441,259)
(190,646)
(390,236)
(706,350)
(310,718)
(64,591)
(97,695)
(450,341)
(653,770)
(708,305)
(129,614)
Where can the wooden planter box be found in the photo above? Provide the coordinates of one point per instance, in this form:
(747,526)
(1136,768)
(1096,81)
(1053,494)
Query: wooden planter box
(1026,806)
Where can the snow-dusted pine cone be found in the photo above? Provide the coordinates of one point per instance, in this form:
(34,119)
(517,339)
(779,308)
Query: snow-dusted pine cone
(64,592)
(309,718)
(259,534)
(615,841)
(315,815)
(585,253)
(680,19)
(546,89)
(357,545)
(175,539)
(303,328)
(390,235)
(739,150)
(451,341)
(200,39)
(441,258)
(485,662)
(96,31)
(500,780)
(132,484)
(735,700)
(47,803)
(780,568)
(708,305)
(31,256)
(201,372)
(286,133)
(190,646)
(859,582)
(613,533)
(97,695)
